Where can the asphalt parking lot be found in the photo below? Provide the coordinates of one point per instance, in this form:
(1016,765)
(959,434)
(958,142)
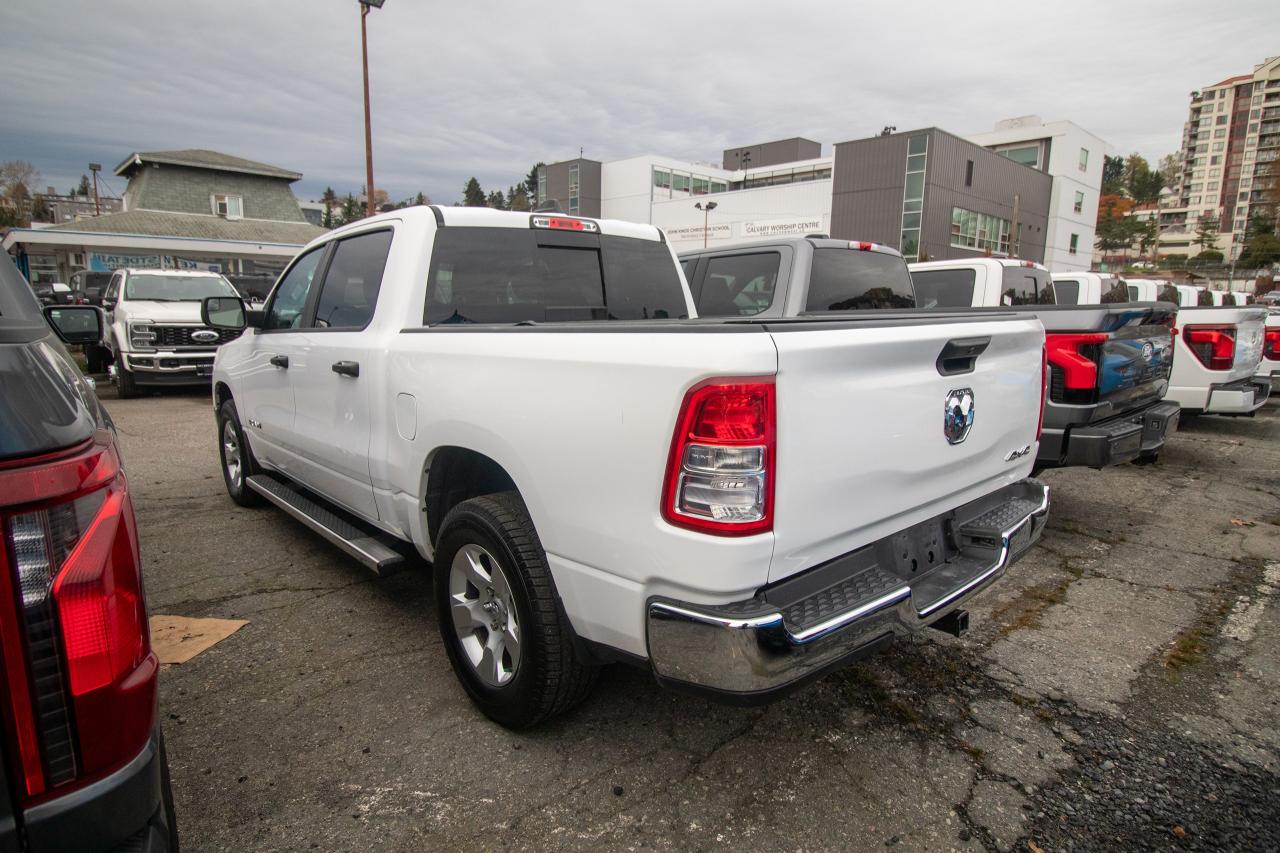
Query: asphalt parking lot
(1118,689)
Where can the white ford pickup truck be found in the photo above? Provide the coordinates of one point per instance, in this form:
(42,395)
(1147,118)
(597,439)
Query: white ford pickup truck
(736,504)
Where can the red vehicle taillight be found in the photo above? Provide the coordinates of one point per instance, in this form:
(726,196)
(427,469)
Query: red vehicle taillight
(1213,346)
(80,674)
(723,461)
(1271,345)
(1044,386)
(1075,355)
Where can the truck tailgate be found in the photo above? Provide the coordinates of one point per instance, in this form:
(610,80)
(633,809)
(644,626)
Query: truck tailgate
(1130,344)
(862,452)
(1249,322)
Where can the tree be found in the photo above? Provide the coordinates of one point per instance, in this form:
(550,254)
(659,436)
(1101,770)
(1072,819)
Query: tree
(1113,175)
(351,210)
(517,199)
(82,189)
(421,199)
(1148,234)
(1207,232)
(531,181)
(1263,250)
(330,200)
(473,195)
(17,178)
(1142,184)
(497,200)
(1170,169)
(1115,230)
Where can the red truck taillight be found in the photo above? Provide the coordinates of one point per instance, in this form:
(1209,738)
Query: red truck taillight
(1076,356)
(1213,346)
(723,459)
(1271,345)
(80,677)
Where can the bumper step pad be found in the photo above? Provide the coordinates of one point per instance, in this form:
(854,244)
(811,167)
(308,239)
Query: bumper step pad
(345,534)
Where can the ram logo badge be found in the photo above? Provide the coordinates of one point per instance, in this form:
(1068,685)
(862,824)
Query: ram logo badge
(957,419)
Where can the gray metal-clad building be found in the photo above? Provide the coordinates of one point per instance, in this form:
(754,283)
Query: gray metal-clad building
(573,184)
(771,153)
(934,195)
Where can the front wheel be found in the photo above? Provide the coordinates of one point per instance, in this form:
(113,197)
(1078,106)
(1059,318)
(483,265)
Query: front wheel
(126,387)
(237,459)
(507,639)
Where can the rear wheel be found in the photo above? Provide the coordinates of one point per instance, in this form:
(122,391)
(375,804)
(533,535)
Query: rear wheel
(507,639)
(237,459)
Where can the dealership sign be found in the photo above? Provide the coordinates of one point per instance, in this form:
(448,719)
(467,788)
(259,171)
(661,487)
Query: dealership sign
(99,262)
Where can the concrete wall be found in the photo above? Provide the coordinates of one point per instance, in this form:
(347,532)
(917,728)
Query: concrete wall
(772,153)
(754,214)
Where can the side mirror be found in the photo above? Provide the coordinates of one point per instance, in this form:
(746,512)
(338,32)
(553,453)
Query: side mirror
(76,324)
(223,312)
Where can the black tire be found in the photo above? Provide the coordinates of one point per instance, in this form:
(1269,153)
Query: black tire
(126,387)
(1147,458)
(550,678)
(229,429)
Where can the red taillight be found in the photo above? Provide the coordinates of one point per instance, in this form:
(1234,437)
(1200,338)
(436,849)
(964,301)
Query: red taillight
(1213,346)
(865,246)
(723,463)
(78,661)
(565,223)
(1044,388)
(1271,344)
(1079,372)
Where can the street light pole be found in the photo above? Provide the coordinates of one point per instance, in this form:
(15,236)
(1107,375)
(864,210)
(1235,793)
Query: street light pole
(365,6)
(706,213)
(97,205)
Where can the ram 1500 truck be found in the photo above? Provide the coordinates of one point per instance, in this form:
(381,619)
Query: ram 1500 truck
(1088,288)
(156,336)
(1218,352)
(1269,366)
(738,505)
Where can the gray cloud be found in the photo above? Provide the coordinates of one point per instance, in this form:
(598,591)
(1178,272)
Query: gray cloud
(487,88)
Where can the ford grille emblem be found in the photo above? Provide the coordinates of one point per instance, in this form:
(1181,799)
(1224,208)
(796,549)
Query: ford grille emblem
(204,336)
(957,419)
(1148,350)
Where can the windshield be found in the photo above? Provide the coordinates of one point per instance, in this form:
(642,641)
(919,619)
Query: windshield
(853,280)
(175,287)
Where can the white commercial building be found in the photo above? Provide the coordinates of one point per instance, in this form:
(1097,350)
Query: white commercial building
(1073,157)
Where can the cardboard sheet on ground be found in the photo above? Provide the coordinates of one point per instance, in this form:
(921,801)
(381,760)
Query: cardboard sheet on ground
(177,639)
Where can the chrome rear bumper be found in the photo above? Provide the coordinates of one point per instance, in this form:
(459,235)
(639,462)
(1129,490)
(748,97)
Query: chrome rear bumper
(828,615)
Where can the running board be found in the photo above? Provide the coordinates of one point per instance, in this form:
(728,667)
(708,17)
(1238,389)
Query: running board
(336,530)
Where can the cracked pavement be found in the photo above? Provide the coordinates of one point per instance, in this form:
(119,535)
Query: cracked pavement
(1118,688)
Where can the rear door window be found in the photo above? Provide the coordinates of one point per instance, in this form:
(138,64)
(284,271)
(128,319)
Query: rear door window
(944,288)
(855,280)
(739,285)
(513,275)
(351,284)
(1066,292)
(1026,286)
(1204,297)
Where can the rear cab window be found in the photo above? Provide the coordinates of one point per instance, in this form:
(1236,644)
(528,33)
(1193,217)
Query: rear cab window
(352,281)
(944,288)
(739,285)
(1066,292)
(855,280)
(1026,286)
(1116,291)
(514,275)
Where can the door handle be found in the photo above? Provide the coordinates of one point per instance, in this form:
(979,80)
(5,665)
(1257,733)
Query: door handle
(346,368)
(280,361)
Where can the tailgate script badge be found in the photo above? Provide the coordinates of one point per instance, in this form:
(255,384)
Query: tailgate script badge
(957,419)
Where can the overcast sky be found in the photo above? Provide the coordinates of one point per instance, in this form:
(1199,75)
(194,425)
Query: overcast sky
(488,88)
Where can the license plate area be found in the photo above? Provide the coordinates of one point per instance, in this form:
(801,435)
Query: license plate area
(204,370)
(925,546)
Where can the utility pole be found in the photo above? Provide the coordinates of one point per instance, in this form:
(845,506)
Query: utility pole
(95,168)
(365,6)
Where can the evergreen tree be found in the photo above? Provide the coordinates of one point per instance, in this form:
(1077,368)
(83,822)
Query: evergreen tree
(421,198)
(517,199)
(497,200)
(473,195)
(1206,232)
(1112,175)
(351,210)
(531,182)
(82,189)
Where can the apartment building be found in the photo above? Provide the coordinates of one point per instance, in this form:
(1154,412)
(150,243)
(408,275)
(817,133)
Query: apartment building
(1231,137)
(1073,158)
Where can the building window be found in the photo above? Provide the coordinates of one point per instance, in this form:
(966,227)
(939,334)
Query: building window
(542,184)
(1220,133)
(980,231)
(573,204)
(913,196)
(573,179)
(1084,159)
(679,182)
(719,186)
(1079,206)
(1075,244)
(1215,160)
(1027,155)
(1222,119)
(701,186)
(968,173)
(1218,146)
(230,206)
(662,178)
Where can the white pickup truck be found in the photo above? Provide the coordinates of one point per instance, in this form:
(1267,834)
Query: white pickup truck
(1217,354)
(737,505)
